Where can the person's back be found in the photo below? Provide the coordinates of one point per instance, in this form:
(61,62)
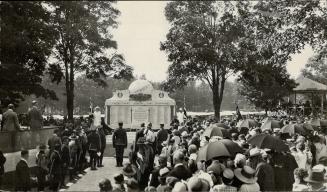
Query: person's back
(22,174)
(35,118)
(10,121)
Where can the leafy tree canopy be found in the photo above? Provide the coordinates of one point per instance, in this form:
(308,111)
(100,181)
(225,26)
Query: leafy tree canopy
(26,42)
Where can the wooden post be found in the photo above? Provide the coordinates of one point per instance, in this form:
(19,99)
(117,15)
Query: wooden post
(322,103)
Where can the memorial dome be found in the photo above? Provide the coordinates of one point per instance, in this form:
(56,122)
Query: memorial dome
(140,86)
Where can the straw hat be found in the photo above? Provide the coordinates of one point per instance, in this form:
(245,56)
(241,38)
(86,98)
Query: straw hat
(246,174)
(198,184)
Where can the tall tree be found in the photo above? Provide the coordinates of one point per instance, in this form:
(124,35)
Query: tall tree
(26,39)
(266,86)
(84,43)
(316,69)
(203,43)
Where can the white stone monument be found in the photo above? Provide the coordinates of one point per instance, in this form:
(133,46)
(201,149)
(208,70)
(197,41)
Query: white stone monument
(141,103)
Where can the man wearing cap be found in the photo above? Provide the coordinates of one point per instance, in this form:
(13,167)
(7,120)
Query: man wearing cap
(11,123)
(94,144)
(42,169)
(119,142)
(35,117)
(161,137)
(227,179)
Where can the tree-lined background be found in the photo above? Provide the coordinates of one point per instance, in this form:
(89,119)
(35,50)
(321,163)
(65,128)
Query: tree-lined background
(64,54)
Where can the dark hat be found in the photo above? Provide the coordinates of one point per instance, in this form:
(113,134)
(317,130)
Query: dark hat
(10,106)
(161,124)
(105,184)
(120,123)
(323,160)
(246,174)
(141,141)
(129,170)
(142,124)
(132,183)
(316,176)
(119,178)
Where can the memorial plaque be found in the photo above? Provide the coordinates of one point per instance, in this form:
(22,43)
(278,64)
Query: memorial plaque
(140,115)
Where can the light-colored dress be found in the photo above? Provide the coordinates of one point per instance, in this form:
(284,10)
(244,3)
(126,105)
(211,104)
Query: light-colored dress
(249,187)
(300,187)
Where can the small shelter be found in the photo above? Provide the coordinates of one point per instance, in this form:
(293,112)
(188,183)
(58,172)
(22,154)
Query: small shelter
(308,86)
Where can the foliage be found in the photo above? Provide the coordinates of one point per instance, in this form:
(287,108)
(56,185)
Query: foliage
(266,86)
(84,43)
(26,39)
(203,43)
(316,69)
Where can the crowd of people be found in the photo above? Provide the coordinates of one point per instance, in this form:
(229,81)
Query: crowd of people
(174,158)
(168,160)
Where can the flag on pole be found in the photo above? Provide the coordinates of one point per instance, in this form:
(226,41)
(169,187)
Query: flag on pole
(238,113)
(185,113)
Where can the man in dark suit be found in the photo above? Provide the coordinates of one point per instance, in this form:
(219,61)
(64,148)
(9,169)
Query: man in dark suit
(55,168)
(93,140)
(119,142)
(2,168)
(102,146)
(22,176)
(180,171)
(11,124)
(161,137)
(54,140)
(35,117)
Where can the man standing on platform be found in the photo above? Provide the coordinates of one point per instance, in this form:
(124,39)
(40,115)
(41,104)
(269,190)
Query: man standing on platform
(35,117)
(11,124)
(161,137)
(119,142)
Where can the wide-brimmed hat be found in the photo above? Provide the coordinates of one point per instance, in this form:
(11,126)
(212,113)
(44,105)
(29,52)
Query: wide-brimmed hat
(246,174)
(228,174)
(198,184)
(42,147)
(316,176)
(129,170)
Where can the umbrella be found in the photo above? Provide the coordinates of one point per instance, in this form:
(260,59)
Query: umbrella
(247,123)
(214,130)
(212,150)
(292,129)
(222,125)
(232,147)
(271,124)
(267,141)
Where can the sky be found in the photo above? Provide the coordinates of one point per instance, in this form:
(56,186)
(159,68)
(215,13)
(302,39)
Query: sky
(143,26)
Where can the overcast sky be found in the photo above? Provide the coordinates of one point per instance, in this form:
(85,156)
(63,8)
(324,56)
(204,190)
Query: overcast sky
(143,25)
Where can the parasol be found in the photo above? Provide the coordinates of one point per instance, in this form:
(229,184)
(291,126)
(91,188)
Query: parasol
(232,147)
(292,129)
(264,141)
(271,124)
(247,123)
(212,150)
(214,130)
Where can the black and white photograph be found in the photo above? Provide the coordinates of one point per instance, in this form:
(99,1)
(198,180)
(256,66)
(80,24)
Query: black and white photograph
(163,96)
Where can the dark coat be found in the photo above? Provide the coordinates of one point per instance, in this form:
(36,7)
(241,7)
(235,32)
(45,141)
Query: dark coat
(93,140)
(22,177)
(55,163)
(162,136)
(36,119)
(65,155)
(102,138)
(180,172)
(10,121)
(266,177)
(119,138)
(2,163)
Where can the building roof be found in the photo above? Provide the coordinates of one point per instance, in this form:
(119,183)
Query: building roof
(307,85)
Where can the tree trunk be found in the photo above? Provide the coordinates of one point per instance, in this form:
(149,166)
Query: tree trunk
(216,103)
(70,96)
